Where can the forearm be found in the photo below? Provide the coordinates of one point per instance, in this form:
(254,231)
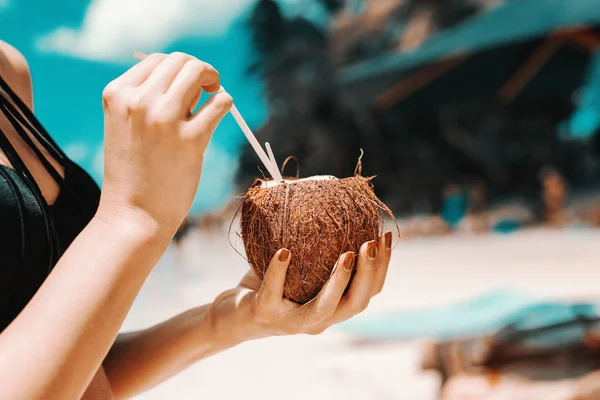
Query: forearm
(57,343)
(138,361)
(141,360)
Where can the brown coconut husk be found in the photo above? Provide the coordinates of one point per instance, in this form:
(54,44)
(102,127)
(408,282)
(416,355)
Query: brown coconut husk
(318,219)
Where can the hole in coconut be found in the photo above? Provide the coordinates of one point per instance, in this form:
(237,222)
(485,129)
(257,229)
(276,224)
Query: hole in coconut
(272,183)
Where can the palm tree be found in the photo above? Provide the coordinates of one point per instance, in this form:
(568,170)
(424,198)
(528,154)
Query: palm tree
(311,119)
(414,155)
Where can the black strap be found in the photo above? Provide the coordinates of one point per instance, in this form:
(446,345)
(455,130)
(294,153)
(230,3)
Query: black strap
(22,169)
(27,125)
(10,114)
(33,124)
(28,120)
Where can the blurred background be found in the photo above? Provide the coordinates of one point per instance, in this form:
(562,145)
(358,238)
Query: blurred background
(480,120)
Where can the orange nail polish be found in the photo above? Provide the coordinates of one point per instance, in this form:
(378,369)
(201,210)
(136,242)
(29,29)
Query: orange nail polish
(372,250)
(284,255)
(388,240)
(348,261)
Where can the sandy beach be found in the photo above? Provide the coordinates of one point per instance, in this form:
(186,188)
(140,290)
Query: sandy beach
(424,273)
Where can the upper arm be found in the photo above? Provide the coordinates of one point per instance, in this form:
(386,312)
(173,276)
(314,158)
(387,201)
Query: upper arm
(15,71)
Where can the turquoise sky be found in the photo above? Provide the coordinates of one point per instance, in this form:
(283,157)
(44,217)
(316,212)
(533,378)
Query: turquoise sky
(75,48)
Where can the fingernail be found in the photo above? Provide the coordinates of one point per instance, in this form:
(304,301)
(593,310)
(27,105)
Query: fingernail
(139,55)
(348,262)
(284,255)
(388,240)
(372,250)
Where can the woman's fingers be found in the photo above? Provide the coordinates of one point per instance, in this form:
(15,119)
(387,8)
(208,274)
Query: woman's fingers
(270,294)
(337,301)
(138,74)
(165,73)
(384,253)
(208,117)
(328,299)
(193,77)
(360,291)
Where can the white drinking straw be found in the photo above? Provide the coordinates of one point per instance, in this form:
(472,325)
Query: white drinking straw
(270,166)
(253,142)
(277,175)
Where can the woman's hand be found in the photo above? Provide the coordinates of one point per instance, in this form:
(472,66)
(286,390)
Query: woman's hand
(154,147)
(257,309)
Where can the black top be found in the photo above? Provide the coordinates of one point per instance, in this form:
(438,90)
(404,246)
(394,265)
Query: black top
(33,234)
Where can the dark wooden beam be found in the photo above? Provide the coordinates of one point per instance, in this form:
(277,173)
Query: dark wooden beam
(528,70)
(417,81)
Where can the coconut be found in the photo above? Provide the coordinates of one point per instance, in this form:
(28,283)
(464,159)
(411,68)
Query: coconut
(318,219)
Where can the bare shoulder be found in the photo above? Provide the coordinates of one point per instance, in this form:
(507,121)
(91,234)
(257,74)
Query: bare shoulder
(15,71)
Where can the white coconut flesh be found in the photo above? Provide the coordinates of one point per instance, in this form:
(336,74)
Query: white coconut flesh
(272,183)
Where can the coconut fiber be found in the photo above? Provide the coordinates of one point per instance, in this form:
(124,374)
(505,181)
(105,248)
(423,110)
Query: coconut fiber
(317,220)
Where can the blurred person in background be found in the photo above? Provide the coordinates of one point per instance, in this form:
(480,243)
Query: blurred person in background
(554,194)
(455,204)
(74,258)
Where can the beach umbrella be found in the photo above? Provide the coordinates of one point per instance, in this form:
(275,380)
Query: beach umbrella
(520,51)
